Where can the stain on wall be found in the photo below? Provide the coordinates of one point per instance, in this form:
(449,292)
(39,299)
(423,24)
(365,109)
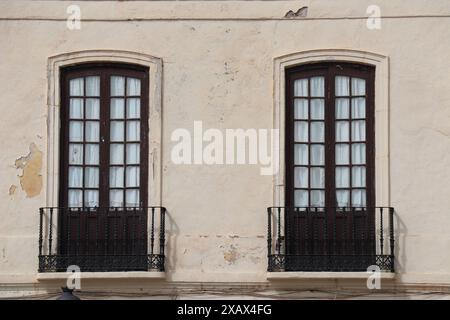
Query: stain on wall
(30,176)
(12,189)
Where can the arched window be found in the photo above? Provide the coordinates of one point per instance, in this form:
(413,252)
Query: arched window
(330,135)
(104,136)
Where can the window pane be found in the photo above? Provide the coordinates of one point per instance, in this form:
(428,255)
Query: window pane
(76,131)
(117,108)
(342,153)
(116,131)
(116,198)
(76,108)
(75,153)
(133,87)
(301,177)
(301,131)
(132,198)
(317,131)
(358,108)
(76,87)
(342,128)
(91,198)
(301,154)
(91,176)
(93,86)
(358,87)
(342,177)
(301,198)
(92,154)
(301,88)
(132,177)
(301,109)
(358,153)
(343,198)
(116,153)
(341,86)
(75,177)
(75,198)
(92,131)
(317,178)
(317,154)
(359,130)
(342,108)
(116,177)
(133,131)
(92,108)
(317,109)
(317,87)
(317,198)
(117,86)
(133,108)
(358,177)
(358,198)
(133,153)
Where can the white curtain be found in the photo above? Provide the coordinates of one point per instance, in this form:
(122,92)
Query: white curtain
(317,178)
(317,86)
(317,198)
(342,108)
(117,108)
(76,108)
(132,177)
(92,131)
(301,198)
(301,109)
(358,153)
(342,129)
(75,177)
(358,87)
(76,87)
(317,109)
(342,152)
(76,131)
(301,177)
(133,130)
(133,108)
(91,198)
(301,154)
(317,154)
(92,153)
(92,108)
(117,131)
(91,177)
(75,153)
(358,130)
(133,153)
(116,177)
(342,177)
(341,86)
(117,86)
(75,198)
(343,198)
(132,198)
(116,198)
(317,131)
(358,198)
(116,153)
(358,177)
(93,86)
(133,87)
(358,108)
(301,88)
(301,131)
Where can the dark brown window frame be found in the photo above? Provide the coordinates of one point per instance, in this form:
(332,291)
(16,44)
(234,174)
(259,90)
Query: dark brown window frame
(105,71)
(329,71)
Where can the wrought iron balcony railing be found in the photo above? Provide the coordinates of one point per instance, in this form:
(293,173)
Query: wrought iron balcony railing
(102,239)
(330,239)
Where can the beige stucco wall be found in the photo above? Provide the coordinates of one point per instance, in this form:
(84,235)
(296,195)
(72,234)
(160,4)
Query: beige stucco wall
(218,62)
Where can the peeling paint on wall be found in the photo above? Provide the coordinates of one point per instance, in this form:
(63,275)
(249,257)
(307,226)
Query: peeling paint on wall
(30,176)
(12,189)
(231,255)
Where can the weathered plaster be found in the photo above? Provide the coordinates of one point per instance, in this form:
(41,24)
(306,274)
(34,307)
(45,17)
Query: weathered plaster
(30,175)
